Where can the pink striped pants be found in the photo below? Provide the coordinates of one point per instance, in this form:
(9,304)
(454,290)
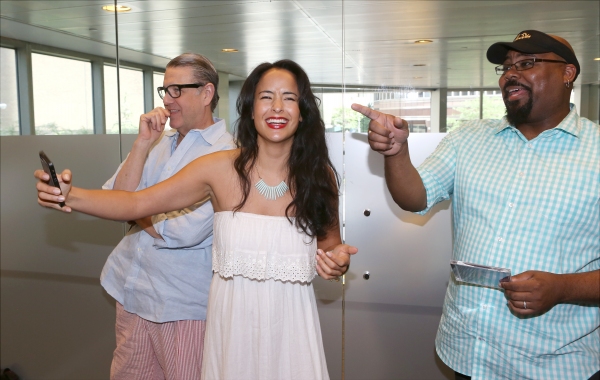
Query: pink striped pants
(157,351)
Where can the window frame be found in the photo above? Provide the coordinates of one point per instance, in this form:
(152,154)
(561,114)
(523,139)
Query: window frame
(23,52)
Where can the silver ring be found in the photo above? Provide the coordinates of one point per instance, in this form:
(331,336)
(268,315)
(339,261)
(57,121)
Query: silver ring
(524,304)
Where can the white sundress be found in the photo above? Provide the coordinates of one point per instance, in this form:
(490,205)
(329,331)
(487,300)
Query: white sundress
(262,320)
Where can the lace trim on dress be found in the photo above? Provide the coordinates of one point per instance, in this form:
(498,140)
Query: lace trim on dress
(264,266)
(262,247)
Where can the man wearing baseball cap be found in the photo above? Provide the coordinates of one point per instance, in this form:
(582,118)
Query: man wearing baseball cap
(525,195)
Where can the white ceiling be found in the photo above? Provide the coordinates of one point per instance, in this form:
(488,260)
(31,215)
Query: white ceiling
(377,37)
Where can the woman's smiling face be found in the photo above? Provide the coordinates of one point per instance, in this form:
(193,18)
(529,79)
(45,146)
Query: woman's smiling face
(276,111)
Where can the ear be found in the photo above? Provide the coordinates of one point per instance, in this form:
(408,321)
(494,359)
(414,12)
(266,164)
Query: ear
(209,93)
(569,73)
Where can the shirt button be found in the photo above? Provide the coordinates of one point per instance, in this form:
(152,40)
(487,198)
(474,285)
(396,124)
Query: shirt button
(529,145)
(521,174)
(500,239)
(511,205)
(484,307)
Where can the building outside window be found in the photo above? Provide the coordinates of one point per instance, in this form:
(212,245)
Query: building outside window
(413,105)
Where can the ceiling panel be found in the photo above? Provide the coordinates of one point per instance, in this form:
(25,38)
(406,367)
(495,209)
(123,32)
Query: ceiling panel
(378,36)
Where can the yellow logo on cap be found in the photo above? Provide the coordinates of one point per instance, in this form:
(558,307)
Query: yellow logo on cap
(522,36)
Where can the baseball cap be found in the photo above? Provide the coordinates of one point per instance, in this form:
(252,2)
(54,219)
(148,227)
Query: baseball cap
(532,42)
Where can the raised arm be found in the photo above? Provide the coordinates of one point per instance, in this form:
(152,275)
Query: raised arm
(151,126)
(388,135)
(188,186)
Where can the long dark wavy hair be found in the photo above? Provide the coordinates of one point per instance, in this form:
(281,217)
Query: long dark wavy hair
(312,178)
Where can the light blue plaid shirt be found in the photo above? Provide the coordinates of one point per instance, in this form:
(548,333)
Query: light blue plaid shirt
(523,205)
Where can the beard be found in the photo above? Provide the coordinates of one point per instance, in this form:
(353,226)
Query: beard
(515,114)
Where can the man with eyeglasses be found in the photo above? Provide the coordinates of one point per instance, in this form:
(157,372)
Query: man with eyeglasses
(525,196)
(160,272)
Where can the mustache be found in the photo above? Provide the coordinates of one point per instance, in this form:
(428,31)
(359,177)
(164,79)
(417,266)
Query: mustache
(512,82)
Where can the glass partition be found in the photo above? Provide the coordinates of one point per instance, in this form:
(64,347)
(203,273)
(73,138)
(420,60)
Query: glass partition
(395,286)
(236,36)
(57,321)
(131,99)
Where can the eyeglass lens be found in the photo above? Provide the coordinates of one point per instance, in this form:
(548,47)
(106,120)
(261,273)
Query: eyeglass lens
(519,66)
(174,91)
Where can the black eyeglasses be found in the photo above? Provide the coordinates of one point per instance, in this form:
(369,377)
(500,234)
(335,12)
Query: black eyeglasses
(523,65)
(174,90)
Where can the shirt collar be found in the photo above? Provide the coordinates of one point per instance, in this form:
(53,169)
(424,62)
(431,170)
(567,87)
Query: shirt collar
(570,124)
(211,134)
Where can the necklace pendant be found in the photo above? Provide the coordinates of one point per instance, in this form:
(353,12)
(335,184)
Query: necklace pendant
(271,192)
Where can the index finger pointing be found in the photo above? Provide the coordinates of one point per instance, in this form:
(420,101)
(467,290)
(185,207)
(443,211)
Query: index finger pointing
(368,112)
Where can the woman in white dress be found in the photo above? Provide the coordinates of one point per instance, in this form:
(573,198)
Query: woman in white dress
(276,226)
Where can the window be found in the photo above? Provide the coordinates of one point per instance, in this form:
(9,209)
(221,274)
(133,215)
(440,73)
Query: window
(461,106)
(412,105)
(62,96)
(157,79)
(336,112)
(9,100)
(469,105)
(493,105)
(132,99)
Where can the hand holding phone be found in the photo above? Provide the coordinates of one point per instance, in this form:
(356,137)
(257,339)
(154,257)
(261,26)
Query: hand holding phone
(482,275)
(48,167)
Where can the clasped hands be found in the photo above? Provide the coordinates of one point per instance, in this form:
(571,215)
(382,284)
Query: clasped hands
(334,263)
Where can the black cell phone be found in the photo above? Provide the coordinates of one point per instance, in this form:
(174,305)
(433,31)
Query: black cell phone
(49,169)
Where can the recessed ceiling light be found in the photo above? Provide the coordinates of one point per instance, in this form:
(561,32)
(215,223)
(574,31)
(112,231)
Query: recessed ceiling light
(229,50)
(119,8)
(597,59)
(423,41)
(417,77)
